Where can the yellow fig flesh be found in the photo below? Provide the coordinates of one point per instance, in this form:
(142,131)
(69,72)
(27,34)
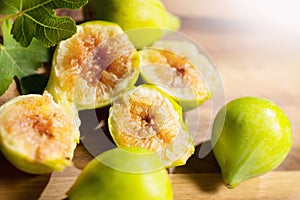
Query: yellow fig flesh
(175,75)
(144,117)
(196,55)
(93,66)
(36,135)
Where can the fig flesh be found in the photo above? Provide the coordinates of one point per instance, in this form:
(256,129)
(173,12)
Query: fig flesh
(144,117)
(175,75)
(196,55)
(36,135)
(93,66)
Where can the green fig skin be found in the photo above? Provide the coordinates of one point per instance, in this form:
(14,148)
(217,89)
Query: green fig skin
(132,14)
(24,164)
(110,179)
(256,137)
(144,21)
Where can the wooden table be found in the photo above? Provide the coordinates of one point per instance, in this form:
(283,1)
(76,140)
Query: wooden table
(255,55)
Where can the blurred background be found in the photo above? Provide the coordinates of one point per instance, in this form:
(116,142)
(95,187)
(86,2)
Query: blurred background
(255,45)
(267,28)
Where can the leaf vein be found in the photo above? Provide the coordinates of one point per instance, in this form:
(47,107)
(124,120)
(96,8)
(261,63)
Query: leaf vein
(14,63)
(36,7)
(46,26)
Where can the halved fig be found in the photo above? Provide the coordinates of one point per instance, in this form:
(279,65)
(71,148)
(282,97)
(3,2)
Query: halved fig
(196,55)
(36,134)
(93,66)
(175,75)
(144,117)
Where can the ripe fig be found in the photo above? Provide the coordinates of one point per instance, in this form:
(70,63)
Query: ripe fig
(93,66)
(36,135)
(149,18)
(175,75)
(144,117)
(196,55)
(123,174)
(255,139)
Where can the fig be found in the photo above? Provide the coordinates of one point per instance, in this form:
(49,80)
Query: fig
(123,174)
(196,55)
(175,75)
(144,117)
(255,138)
(93,66)
(36,134)
(149,18)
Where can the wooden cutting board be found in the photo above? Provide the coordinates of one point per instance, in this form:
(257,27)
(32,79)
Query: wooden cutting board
(187,183)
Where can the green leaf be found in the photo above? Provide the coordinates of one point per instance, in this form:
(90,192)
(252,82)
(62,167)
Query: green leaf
(9,7)
(36,18)
(18,61)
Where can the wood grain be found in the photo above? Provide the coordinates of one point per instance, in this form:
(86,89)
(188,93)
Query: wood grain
(274,185)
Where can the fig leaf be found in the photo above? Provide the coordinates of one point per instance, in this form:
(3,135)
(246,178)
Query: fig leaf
(36,18)
(16,60)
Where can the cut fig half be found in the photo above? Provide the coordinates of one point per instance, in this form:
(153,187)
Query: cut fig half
(36,134)
(144,117)
(93,66)
(196,55)
(175,75)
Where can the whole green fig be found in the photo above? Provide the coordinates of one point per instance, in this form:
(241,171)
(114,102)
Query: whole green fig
(149,16)
(123,174)
(255,138)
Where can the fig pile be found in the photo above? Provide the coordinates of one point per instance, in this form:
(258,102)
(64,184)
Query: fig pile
(97,67)
(103,69)
(100,66)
